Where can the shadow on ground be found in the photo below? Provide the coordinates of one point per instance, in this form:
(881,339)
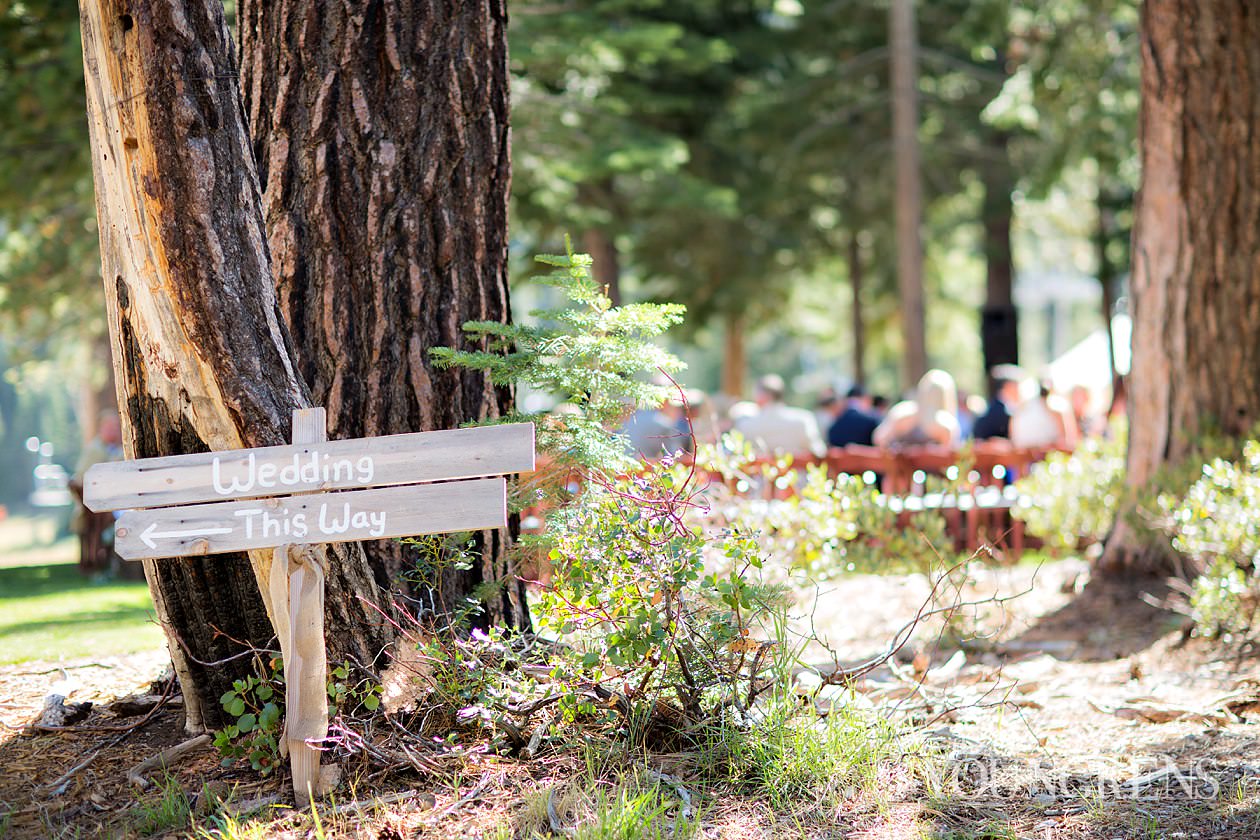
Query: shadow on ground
(1109,619)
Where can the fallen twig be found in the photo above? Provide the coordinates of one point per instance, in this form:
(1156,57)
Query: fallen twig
(463,800)
(553,819)
(164,759)
(374,802)
(62,669)
(248,806)
(58,785)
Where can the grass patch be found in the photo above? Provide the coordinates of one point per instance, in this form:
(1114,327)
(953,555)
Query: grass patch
(794,754)
(164,811)
(52,612)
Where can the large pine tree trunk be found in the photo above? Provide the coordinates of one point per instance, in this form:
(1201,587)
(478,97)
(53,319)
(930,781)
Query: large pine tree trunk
(381,135)
(201,356)
(1196,258)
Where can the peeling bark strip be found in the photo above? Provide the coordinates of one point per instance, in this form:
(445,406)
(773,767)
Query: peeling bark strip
(201,356)
(381,135)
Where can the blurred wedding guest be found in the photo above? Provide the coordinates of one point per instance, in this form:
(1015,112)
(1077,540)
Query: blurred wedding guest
(976,407)
(827,408)
(931,417)
(1008,394)
(654,432)
(700,417)
(1119,400)
(856,424)
(879,405)
(1043,421)
(777,428)
(1088,423)
(966,417)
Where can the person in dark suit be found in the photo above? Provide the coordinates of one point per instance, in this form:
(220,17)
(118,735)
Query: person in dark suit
(996,421)
(857,423)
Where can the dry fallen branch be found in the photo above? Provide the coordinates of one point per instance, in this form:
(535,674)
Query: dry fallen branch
(58,786)
(165,759)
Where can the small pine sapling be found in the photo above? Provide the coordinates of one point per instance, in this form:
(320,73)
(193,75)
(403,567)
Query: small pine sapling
(594,358)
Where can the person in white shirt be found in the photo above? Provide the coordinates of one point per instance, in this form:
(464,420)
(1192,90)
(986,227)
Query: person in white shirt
(779,429)
(1044,421)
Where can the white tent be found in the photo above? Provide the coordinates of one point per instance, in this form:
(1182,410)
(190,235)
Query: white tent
(1087,363)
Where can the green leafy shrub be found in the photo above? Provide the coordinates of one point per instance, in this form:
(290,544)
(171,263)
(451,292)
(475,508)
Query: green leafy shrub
(648,636)
(630,593)
(1072,499)
(257,705)
(256,702)
(1215,524)
(829,526)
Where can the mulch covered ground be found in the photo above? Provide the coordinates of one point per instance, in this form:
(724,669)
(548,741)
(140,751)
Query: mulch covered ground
(1083,712)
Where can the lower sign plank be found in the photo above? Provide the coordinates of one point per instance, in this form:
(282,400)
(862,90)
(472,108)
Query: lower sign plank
(313,518)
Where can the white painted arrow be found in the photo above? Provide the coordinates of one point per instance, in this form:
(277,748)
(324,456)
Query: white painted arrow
(149,536)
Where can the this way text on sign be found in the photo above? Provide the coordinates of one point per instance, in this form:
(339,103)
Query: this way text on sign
(314,518)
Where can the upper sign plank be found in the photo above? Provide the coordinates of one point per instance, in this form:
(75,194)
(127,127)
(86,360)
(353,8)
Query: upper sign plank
(304,468)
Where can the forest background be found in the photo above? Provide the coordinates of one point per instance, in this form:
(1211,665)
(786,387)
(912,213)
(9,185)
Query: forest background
(732,156)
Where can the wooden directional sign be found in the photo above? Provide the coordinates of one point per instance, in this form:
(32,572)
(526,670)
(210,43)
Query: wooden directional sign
(282,470)
(315,518)
(279,496)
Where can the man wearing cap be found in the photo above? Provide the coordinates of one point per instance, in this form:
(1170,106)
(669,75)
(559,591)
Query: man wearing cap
(857,423)
(996,421)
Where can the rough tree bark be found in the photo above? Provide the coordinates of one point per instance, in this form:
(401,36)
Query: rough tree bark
(1196,247)
(381,135)
(201,357)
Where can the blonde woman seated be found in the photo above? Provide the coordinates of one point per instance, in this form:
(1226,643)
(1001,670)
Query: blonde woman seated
(930,418)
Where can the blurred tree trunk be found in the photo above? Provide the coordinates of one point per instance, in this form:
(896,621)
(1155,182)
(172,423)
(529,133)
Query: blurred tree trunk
(859,314)
(999,323)
(201,357)
(903,43)
(97,391)
(1196,265)
(734,357)
(381,136)
(600,245)
(1113,197)
(1106,283)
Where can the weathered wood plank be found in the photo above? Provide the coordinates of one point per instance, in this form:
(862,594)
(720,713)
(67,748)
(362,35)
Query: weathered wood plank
(313,518)
(335,465)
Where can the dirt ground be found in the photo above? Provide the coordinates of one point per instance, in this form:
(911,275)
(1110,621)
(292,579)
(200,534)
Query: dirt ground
(1080,711)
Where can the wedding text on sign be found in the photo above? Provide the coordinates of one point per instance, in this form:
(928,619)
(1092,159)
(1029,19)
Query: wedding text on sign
(213,502)
(299,468)
(310,472)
